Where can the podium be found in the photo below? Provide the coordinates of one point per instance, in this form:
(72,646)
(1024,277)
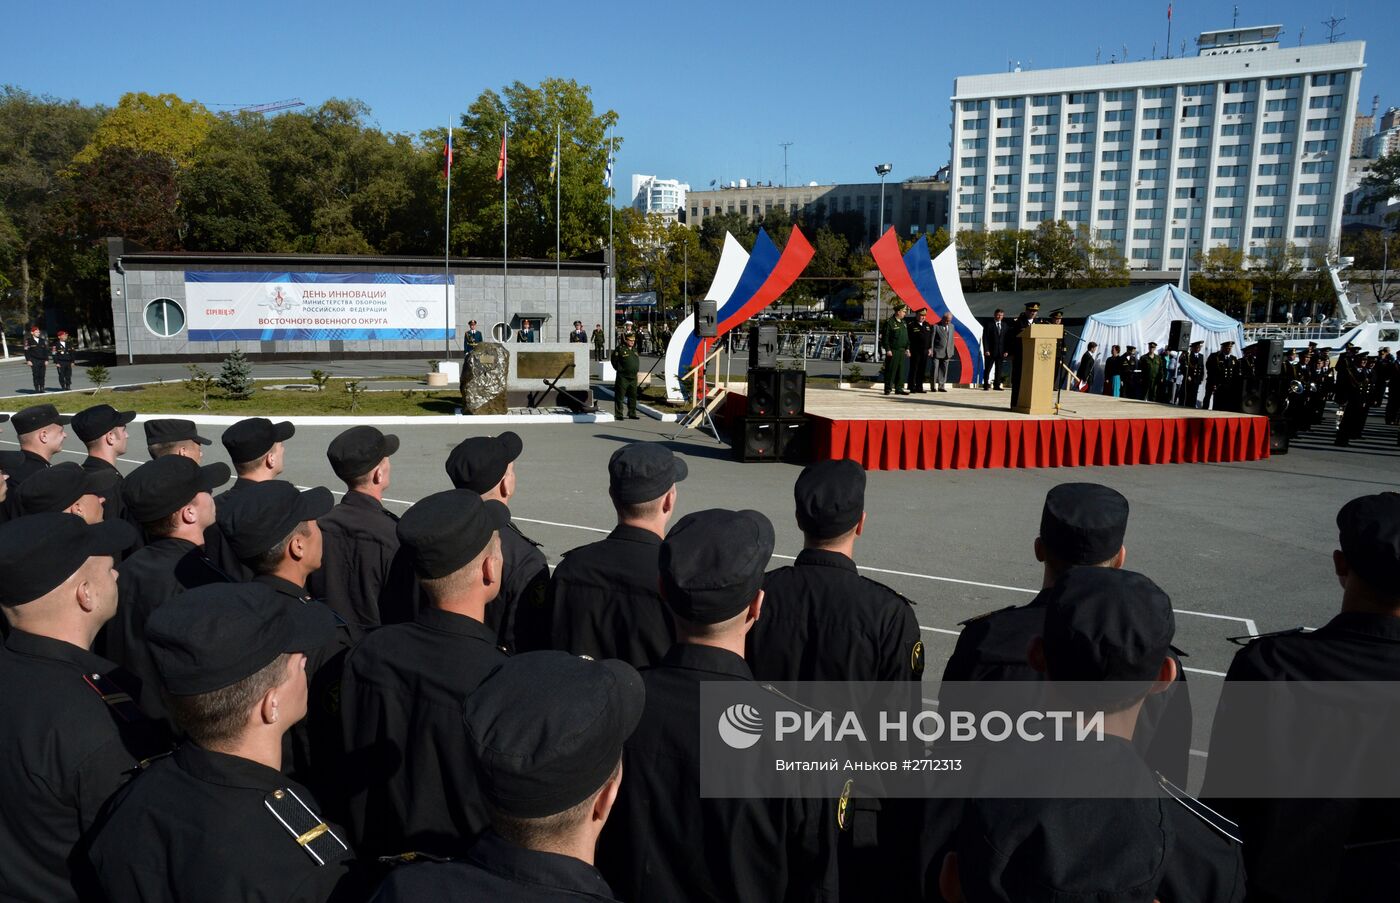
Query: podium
(1035,371)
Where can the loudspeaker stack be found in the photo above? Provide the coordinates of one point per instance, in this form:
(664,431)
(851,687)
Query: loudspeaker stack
(706,319)
(1180,338)
(774,426)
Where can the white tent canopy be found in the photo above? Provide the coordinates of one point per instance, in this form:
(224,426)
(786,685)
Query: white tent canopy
(1148,318)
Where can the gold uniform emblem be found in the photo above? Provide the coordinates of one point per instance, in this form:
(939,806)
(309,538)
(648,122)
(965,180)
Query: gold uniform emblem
(841,805)
(916,658)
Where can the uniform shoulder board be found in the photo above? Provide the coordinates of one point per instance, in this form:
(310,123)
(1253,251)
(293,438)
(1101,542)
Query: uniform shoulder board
(307,828)
(120,703)
(985,614)
(893,592)
(769,688)
(1251,637)
(410,857)
(1212,819)
(523,536)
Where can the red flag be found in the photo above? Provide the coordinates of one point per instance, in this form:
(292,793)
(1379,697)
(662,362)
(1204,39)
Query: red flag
(1169,12)
(501,162)
(447,158)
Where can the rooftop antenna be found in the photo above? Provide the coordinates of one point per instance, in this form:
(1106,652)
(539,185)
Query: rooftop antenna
(1154,49)
(1302,30)
(1125,53)
(785,145)
(1375,111)
(1098,54)
(1183,48)
(1235,21)
(1332,33)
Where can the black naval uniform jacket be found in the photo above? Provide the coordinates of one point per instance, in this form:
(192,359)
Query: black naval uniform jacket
(216,544)
(519,614)
(311,749)
(28,465)
(113,508)
(152,576)
(63,752)
(1311,849)
(196,826)
(408,769)
(497,870)
(664,842)
(605,599)
(993,647)
(363,577)
(822,620)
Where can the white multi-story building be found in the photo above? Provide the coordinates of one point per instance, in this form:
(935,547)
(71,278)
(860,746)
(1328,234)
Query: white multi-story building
(1243,144)
(653,195)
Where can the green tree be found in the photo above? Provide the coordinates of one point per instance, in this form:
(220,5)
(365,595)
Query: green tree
(1384,179)
(1276,267)
(38,138)
(161,124)
(236,378)
(1054,259)
(1376,253)
(939,241)
(974,248)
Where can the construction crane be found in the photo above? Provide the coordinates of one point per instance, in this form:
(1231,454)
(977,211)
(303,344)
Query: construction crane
(271,107)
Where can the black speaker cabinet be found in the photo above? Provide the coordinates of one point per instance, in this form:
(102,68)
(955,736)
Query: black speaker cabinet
(706,319)
(1265,397)
(792,393)
(1278,436)
(773,439)
(756,439)
(1180,338)
(795,440)
(765,390)
(1268,357)
(763,347)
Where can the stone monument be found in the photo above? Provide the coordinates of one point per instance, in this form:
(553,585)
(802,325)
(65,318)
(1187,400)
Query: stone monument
(484,373)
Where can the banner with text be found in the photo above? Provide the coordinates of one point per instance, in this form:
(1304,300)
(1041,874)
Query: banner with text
(319,306)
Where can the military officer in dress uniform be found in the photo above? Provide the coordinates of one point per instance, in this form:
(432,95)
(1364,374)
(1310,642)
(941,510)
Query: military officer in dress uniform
(626,362)
(599,342)
(1081,524)
(69,733)
(1026,318)
(519,614)
(1221,369)
(219,820)
(1319,849)
(604,597)
(271,527)
(549,766)
(1151,842)
(364,578)
(36,352)
(578,336)
(411,782)
(40,431)
(920,340)
(170,497)
(896,342)
(103,429)
(63,358)
(65,488)
(1193,370)
(712,565)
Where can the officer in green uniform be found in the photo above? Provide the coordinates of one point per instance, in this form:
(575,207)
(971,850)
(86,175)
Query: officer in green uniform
(896,352)
(625,361)
(599,341)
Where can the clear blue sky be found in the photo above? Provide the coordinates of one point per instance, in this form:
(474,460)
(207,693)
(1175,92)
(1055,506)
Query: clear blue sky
(703,90)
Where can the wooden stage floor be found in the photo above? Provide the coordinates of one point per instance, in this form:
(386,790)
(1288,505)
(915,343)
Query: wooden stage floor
(975,404)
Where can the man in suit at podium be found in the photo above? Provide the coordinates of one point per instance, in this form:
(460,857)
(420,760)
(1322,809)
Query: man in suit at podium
(1027,317)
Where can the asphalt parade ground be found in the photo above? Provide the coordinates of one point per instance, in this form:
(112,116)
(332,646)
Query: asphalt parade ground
(1241,548)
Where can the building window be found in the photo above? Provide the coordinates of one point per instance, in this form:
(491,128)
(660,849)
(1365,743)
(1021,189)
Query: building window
(1010,122)
(1156,153)
(1045,119)
(1191,172)
(1243,106)
(1154,134)
(1198,111)
(1080,138)
(164,317)
(1158,93)
(1324,125)
(1279,190)
(1319,167)
(1230,191)
(1151,194)
(1281,105)
(1122,136)
(1280,127)
(1226,212)
(1152,175)
(1231,172)
(1316,188)
(1244,87)
(1279,148)
(1123,115)
(1266,232)
(1270,211)
(1309,231)
(1329,80)
(1285,84)
(1079,157)
(1320,147)
(1157,113)
(1192,153)
(1113,175)
(1231,233)
(1326,102)
(1237,129)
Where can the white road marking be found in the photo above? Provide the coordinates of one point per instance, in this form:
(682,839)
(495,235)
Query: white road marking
(1200,754)
(941,630)
(1203,671)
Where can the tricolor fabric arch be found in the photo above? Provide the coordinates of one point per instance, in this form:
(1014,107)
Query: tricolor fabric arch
(934,286)
(744,285)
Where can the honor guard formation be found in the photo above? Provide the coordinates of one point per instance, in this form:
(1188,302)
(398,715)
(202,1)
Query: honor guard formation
(234,691)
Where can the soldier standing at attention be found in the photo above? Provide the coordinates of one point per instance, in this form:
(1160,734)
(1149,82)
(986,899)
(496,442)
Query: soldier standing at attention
(36,352)
(1193,369)
(1221,368)
(63,361)
(40,431)
(519,614)
(920,337)
(219,820)
(103,429)
(402,694)
(626,362)
(578,336)
(69,733)
(364,578)
(549,766)
(712,565)
(600,341)
(896,341)
(604,597)
(1013,345)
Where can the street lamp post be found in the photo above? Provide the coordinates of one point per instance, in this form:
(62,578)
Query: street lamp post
(882,169)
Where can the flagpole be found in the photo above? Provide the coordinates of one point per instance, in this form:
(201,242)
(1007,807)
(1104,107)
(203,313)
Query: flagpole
(558,195)
(505,227)
(608,317)
(447,253)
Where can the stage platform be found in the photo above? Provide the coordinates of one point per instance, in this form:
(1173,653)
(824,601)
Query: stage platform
(970,428)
